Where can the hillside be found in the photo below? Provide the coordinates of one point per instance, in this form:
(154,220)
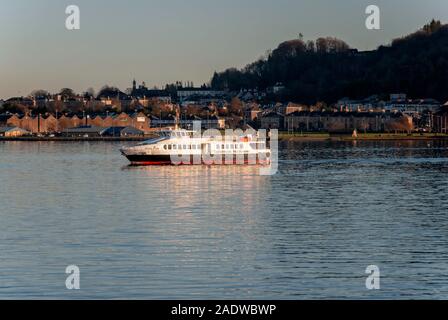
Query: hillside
(327,69)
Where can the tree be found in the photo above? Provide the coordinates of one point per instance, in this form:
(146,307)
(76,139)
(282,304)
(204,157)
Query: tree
(39,93)
(432,27)
(67,93)
(310,46)
(90,92)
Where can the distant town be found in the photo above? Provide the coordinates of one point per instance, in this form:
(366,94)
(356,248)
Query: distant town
(321,86)
(139,111)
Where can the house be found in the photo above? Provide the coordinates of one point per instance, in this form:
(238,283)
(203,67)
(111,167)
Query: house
(20,101)
(272,120)
(141,122)
(251,112)
(12,132)
(113,97)
(289,108)
(144,95)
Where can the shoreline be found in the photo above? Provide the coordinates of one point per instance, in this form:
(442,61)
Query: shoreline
(361,137)
(284,137)
(73,139)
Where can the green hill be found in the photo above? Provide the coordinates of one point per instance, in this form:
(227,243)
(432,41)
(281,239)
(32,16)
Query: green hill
(328,69)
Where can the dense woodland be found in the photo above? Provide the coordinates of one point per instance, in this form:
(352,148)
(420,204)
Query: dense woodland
(328,69)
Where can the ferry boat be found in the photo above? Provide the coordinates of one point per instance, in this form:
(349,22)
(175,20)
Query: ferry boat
(184,147)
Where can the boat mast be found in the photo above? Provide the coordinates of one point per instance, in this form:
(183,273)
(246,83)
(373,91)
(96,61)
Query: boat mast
(177,121)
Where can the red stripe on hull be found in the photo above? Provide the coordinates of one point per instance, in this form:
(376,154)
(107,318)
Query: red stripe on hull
(169,163)
(151,163)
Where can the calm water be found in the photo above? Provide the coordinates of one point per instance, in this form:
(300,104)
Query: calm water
(225,232)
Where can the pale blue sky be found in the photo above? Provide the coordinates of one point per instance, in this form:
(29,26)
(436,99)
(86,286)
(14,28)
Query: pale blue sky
(162,41)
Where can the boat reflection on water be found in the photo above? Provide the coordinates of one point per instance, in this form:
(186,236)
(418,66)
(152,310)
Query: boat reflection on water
(187,187)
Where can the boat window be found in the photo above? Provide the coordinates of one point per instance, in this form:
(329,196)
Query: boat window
(175,147)
(241,146)
(185,147)
(217,146)
(170,147)
(165,147)
(227,146)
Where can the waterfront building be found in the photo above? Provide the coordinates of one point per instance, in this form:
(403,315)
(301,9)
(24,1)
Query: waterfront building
(122,132)
(347,122)
(272,120)
(413,107)
(372,103)
(13,132)
(83,132)
(440,120)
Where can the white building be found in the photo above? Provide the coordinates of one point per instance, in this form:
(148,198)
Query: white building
(413,107)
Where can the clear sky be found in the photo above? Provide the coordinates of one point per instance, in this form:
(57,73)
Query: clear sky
(160,41)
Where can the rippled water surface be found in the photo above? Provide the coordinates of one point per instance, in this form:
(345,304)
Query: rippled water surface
(225,232)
